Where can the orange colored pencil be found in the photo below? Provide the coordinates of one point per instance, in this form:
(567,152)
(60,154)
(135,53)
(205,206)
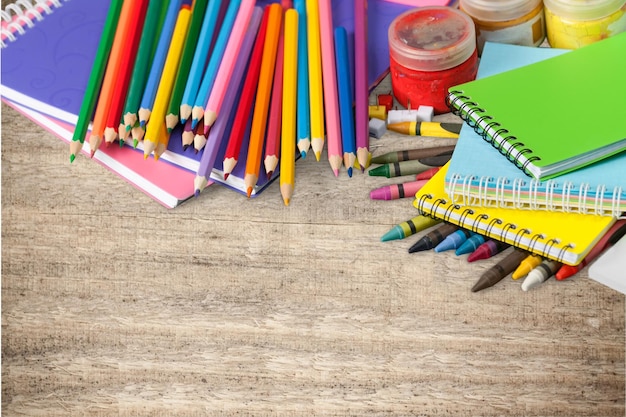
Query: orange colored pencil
(125,71)
(110,77)
(264,90)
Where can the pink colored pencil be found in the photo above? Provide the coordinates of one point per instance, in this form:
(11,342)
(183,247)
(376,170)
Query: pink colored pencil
(331,95)
(361,88)
(231,52)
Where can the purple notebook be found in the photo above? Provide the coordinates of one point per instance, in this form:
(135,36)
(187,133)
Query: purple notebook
(47,67)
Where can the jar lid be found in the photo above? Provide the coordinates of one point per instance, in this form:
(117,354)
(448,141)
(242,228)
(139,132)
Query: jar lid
(584,9)
(498,10)
(432,38)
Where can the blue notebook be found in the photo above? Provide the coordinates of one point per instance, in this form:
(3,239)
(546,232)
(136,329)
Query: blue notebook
(479,175)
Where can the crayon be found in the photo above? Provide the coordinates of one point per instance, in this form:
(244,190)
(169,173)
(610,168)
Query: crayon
(540,274)
(487,250)
(526,266)
(432,239)
(614,234)
(412,167)
(428,174)
(453,240)
(409,227)
(411,154)
(500,270)
(470,245)
(434,129)
(396,191)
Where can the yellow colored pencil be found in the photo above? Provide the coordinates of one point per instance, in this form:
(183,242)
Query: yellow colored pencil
(290,84)
(166,83)
(315,77)
(264,90)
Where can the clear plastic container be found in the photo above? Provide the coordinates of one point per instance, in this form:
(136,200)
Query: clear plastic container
(518,22)
(431,49)
(571,24)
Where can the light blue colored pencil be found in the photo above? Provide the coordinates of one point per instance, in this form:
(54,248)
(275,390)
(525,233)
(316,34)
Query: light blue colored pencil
(200,58)
(344,85)
(208,79)
(303,121)
(147,100)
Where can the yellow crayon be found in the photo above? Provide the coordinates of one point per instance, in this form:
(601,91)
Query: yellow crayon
(526,266)
(435,129)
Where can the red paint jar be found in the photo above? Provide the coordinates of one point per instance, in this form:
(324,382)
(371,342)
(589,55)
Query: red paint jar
(431,49)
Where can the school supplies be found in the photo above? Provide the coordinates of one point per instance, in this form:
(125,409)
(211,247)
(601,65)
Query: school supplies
(565,237)
(529,113)
(479,175)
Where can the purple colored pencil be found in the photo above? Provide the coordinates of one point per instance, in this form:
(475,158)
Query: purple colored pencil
(216,134)
(361,89)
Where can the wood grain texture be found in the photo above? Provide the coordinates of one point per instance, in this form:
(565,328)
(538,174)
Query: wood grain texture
(115,306)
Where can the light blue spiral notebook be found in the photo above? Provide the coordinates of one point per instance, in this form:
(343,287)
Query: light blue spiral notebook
(480,176)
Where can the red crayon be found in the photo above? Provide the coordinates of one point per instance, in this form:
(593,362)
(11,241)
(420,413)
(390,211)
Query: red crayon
(396,191)
(427,174)
(610,237)
(487,250)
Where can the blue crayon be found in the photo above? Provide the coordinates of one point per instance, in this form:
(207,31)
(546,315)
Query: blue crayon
(471,244)
(454,240)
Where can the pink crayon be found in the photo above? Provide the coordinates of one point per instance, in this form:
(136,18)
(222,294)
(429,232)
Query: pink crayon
(396,191)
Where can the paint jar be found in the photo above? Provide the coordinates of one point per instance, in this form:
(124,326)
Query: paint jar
(518,22)
(430,50)
(571,24)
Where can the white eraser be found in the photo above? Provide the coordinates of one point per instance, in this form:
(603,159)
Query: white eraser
(398,116)
(377,128)
(425,113)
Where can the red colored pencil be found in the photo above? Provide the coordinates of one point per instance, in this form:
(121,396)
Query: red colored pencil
(246,100)
(120,89)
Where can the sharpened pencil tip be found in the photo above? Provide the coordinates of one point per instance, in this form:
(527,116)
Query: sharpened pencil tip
(145,156)
(135,143)
(317,156)
(194,123)
(269,175)
(286,200)
(226,174)
(249,191)
(121,143)
(303,154)
(336,172)
(72,157)
(196,193)
(350,172)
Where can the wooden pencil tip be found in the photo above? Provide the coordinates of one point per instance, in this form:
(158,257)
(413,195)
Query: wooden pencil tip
(350,172)
(226,174)
(249,191)
(286,200)
(317,156)
(72,158)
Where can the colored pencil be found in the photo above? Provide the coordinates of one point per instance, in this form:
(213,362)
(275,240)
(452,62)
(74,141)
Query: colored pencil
(166,83)
(158,61)
(120,89)
(204,91)
(229,58)
(95,78)
(344,88)
(316,93)
(290,85)
(110,77)
(274,119)
(303,110)
(200,58)
(246,100)
(361,88)
(331,95)
(173,112)
(145,53)
(199,139)
(187,135)
(261,104)
(216,134)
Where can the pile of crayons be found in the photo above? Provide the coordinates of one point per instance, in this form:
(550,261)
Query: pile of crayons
(161,63)
(425,162)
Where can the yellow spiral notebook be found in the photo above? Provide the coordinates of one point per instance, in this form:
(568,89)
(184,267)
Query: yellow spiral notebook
(565,237)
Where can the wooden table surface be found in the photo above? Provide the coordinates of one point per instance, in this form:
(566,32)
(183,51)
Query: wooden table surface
(113,305)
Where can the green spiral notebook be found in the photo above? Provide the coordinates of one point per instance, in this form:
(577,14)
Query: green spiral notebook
(553,116)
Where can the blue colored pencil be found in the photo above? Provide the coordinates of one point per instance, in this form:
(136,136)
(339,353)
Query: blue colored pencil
(214,62)
(200,58)
(158,61)
(303,121)
(344,85)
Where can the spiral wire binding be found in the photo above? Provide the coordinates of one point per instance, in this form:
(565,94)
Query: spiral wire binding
(484,224)
(500,138)
(23,14)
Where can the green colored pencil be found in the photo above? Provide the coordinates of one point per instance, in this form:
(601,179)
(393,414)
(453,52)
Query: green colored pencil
(173,111)
(147,46)
(95,78)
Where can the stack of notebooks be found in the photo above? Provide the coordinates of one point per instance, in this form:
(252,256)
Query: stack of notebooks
(47,53)
(540,161)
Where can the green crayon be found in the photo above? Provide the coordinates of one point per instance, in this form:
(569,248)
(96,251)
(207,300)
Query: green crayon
(411,154)
(409,227)
(412,167)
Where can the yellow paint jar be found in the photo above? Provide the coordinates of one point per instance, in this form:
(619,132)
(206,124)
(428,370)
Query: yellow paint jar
(571,24)
(518,22)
